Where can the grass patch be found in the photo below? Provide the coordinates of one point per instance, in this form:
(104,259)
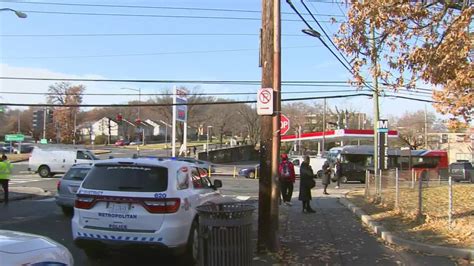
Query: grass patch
(434,229)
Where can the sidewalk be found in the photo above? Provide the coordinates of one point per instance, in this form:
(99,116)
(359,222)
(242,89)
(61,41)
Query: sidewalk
(333,236)
(20,193)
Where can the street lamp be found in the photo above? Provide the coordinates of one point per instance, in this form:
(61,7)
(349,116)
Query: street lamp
(17,13)
(139,90)
(207,142)
(166,132)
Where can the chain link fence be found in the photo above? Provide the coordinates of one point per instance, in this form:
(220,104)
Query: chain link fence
(423,193)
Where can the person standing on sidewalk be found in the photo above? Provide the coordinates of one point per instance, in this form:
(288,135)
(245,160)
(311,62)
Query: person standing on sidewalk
(287,179)
(326,178)
(338,172)
(306,184)
(5,170)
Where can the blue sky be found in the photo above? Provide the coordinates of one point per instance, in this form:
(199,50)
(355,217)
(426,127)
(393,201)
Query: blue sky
(189,56)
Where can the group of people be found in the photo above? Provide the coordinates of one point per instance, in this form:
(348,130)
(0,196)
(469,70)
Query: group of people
(307,182)
(5,171)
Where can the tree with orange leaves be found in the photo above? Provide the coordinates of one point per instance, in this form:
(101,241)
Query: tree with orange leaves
(425,41)
(64,93)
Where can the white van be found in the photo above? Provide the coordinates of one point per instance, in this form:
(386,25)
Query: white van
(49,161)
(316,163)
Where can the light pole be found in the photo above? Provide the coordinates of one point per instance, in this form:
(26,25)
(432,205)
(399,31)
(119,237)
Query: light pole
(207,142)
(166,132)
(139,90)
(17,13)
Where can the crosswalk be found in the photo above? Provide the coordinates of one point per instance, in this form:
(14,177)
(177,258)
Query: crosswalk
(16,180)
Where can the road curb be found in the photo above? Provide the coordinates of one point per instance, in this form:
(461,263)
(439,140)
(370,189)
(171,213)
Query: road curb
(389,237)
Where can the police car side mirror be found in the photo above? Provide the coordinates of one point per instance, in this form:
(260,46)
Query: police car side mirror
(217,183)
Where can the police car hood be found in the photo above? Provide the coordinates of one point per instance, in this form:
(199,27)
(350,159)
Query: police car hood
(18,242)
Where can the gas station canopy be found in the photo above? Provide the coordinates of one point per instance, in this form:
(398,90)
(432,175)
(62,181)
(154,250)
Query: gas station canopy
(338,135)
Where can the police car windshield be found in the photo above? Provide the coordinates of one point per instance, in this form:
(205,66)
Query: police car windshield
(76,174)
(127,178)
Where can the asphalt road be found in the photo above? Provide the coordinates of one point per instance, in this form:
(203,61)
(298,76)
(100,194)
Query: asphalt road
(43,217)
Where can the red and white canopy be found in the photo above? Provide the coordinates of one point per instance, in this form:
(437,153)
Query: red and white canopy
(337,135)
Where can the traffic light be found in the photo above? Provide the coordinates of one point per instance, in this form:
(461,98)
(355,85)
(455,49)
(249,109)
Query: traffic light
(38,117)
(50,115)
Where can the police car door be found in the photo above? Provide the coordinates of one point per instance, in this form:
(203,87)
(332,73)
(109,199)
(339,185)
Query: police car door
(202,186)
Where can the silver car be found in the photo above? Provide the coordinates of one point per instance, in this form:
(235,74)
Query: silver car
(67,187)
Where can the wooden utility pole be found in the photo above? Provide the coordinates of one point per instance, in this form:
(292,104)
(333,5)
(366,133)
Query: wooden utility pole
(269,192)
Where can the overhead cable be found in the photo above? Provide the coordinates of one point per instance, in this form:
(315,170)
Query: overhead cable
(152,7)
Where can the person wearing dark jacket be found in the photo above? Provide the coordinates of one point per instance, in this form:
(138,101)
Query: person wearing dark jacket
(326,179)
(306,184)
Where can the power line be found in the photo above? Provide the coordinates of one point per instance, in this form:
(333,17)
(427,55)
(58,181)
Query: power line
(237,82)
(206,103)
(326,34)
(135,34)
(151,15)
(349,68)
(296,83)
(171,104)
(426,94)
(169,94)
(153,7)
(147,54)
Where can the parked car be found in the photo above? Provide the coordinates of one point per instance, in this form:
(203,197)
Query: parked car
(142,202)
(18,248)
(24,148)
(68,185)
(122,142)
(7,148)
(462,171)
(50,161)
(249,172)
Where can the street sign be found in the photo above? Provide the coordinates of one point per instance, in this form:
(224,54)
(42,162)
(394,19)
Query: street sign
(181,97)
(265,101)
(43,141)
(382,126)
(15,137)
(284,124)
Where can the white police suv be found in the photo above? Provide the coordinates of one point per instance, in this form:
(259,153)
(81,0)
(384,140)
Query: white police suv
(19,248)
(141,201)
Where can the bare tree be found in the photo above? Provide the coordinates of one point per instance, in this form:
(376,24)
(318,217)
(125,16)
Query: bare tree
(64,93)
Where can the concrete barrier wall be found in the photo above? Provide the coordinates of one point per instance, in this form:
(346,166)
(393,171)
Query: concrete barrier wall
(227,155)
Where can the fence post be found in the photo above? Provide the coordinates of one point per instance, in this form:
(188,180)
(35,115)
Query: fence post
(419,214)
(209,171)
(367,187)
(450,209)
(256,173)
(412,178)
(235,169)
(397,188)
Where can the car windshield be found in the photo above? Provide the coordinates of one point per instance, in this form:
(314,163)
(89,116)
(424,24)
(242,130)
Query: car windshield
(127,178)
(76,174)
